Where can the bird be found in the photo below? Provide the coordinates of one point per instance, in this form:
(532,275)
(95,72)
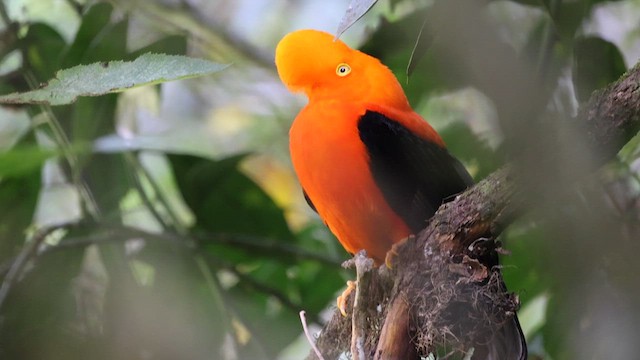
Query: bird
(371,167)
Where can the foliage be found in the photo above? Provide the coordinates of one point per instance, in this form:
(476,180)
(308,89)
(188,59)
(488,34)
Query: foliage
(110,77)
(210,280)
(153,252)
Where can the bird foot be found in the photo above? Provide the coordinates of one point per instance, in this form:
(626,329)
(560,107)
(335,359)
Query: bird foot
(341,301)
(394,251)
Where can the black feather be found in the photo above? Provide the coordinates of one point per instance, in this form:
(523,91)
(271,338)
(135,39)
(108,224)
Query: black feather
(415,175)
(308,200)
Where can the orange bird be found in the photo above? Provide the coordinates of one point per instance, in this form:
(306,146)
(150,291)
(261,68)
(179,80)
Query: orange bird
(371,167)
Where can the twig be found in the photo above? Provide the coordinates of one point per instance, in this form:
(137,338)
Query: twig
(113,233)
(266,244)
(135,165)
(359,319)
(256,285)
(303,320)
(160,196)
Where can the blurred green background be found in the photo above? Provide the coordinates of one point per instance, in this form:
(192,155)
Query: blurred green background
(165,222)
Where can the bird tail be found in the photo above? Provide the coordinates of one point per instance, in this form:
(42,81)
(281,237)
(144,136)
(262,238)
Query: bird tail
(508,343)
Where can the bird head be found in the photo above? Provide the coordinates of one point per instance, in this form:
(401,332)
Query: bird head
(315,63)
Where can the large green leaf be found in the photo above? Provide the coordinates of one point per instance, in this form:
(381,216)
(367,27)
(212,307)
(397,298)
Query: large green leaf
(44,46)
(94,21)
(567,16)
(525,268)
(466,146)
(115,76)
(173,44)
(18,198)
(597,63)
(224,200)
(19,188)
(112,44)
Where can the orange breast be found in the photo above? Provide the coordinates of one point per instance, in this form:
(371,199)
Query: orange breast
(332,166)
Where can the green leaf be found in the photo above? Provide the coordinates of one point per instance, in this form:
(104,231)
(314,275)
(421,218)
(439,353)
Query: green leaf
(115,76)
(94,20)
(108,179)
(44,46)
(533,315)
(173,44)
(568,16)
(317,284)
(467,147)
(224,200)
(423,42)
(110,45)
(18,198)
(356,10)
(597,63)
(106,175)
(22,161)
(270,330)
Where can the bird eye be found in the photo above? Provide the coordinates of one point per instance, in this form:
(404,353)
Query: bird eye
(343,69)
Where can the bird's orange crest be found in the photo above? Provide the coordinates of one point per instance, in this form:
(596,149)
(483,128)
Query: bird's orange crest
(313,62)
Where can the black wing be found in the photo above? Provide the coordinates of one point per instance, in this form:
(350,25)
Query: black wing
(415,175)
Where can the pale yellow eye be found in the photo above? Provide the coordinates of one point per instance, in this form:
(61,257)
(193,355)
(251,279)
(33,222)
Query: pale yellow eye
(343,69)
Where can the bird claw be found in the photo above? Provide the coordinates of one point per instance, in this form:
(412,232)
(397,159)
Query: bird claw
(393,252)
(341,301)
(389,257)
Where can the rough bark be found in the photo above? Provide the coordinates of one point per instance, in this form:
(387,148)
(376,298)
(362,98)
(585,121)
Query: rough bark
(438,292)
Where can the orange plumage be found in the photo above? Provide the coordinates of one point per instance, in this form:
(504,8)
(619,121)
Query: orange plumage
(330,161)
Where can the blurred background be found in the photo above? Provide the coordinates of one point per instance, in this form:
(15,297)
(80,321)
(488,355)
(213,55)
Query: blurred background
(168,223)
